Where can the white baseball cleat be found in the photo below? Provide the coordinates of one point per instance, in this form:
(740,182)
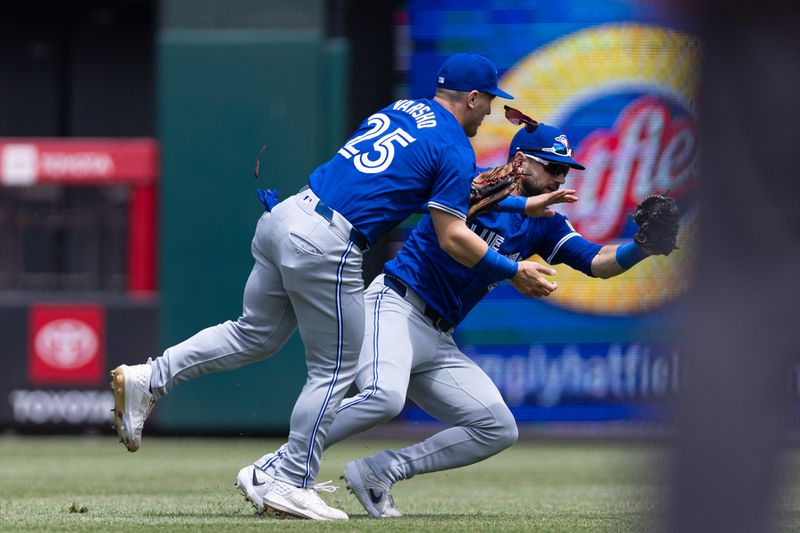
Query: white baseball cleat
(284,500)
(254,484)
(373,493)
(255,480)
(132,402)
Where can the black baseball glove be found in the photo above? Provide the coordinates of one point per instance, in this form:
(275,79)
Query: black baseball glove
(657,217)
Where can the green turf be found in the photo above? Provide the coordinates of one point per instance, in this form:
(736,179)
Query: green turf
(185,484)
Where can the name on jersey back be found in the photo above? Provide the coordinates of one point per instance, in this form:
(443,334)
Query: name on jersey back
(423,116)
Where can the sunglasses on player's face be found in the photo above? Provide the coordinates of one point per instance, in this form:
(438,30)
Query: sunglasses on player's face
(517,117)
(557,149)
(550,167)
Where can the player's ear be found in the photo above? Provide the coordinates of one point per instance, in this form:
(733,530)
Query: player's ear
(472,99)
(519,158)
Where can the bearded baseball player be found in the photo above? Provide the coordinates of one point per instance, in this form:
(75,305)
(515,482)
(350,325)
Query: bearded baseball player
(422,295)
(308,268)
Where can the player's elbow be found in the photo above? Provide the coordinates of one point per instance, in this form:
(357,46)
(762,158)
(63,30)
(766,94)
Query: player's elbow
(448,244)
(605,270)
(604,265)
(603,274)
(454,239)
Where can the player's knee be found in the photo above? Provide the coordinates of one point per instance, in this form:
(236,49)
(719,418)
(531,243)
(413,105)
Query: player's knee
(390,403)
(507,432)
(254,337)
(246,333)
(503,431)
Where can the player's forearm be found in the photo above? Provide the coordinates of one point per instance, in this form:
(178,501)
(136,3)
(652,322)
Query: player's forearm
(468,249)
(606,264)
(529,206)
(460,243)
(463,245)
(536,206)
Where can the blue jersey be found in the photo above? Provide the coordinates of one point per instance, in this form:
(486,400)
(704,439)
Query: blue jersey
(411,154)
(452,289)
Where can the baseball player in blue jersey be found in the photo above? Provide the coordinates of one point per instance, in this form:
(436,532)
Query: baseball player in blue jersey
(308,267)
(408,348)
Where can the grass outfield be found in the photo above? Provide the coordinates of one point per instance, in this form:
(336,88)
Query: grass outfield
(186,484)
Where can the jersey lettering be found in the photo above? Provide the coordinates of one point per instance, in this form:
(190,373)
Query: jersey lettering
(423,116)
(378,122)
(495,242)
(384,146)
(493,239)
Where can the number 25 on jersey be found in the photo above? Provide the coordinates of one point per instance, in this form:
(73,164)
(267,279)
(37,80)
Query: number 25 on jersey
(384,145)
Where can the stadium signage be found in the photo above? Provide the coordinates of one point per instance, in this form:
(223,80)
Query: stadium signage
(66,344)
(25,162)
(551,374)
(72,407)
(647,151)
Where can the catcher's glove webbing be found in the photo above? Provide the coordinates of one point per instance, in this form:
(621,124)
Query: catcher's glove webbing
(657,217)
(490,187)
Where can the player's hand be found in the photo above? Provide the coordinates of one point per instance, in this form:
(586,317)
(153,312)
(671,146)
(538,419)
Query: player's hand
(536,206)
(530,281)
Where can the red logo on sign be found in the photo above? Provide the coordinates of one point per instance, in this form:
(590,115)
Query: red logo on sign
(66,344)
(648,151)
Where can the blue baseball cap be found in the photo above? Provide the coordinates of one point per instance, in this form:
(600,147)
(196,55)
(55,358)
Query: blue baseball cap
(470,72)
(546,142)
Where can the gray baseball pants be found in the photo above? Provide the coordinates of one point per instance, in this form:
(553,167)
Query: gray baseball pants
(404,355)
(307,274)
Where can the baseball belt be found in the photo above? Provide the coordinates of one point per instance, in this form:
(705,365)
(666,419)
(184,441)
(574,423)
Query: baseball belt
(400,288)
(356,237)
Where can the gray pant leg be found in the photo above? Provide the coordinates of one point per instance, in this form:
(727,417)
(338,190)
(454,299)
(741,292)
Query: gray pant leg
(266,323)
(460,393)
(321,272)
(398,340)
(384,365)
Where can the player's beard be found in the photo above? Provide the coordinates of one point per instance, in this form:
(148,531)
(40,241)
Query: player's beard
(473,122)
(471,128)
(529,188)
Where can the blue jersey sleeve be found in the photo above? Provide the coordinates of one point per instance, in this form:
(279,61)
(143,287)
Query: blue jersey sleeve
(565,245)
(450,191)
(578,253)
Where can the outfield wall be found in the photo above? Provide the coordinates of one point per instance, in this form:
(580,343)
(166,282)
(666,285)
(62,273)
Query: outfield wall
(620,78)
